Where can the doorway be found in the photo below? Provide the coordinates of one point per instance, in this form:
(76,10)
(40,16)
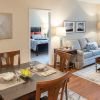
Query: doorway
(39,26)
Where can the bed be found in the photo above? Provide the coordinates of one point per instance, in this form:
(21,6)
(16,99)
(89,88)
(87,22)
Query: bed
(38,42)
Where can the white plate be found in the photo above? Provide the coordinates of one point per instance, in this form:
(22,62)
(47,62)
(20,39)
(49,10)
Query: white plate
(7,76)
(41,67)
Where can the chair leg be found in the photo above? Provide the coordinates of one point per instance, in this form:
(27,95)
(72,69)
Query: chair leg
(66,94)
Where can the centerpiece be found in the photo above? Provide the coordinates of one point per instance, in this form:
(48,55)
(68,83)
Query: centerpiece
(26,73)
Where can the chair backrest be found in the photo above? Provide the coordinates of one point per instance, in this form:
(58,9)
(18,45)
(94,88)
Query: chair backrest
(65,59)
(7,58)
(53,87)
(1,98)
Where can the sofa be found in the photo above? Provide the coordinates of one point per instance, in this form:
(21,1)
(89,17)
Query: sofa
(87,51)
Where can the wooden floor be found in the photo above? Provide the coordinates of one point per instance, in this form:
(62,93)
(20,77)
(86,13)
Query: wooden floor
(85,88)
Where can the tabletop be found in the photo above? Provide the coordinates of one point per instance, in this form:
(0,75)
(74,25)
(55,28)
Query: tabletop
(27,87)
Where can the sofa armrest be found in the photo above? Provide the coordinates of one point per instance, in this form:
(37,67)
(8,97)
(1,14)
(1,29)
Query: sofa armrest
(80,55)
(79,59)
(80,52)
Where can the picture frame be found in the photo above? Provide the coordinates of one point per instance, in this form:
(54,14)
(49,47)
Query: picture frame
(80,26)
(69,26)
(5,26)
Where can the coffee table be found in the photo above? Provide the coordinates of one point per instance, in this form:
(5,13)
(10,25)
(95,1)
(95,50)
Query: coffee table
(97,62)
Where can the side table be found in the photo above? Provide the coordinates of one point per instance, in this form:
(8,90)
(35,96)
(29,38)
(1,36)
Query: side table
(73,52)
(97,62)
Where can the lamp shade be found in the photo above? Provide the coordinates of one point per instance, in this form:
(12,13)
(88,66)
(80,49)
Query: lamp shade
(60,31)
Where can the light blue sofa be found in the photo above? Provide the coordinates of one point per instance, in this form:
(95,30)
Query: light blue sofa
(83,57)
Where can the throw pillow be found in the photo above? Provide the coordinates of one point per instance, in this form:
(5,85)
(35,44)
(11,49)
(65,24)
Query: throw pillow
(91,46)
(85,50)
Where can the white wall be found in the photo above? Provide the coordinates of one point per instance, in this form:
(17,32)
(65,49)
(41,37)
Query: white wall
(61,10)
(98,23)
(38,18)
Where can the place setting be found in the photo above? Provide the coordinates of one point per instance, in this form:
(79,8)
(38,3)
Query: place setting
(42,69)
(9,79)
(20,76)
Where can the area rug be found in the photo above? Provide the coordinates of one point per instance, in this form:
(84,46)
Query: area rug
(74,96)
(71,95)
(90,74)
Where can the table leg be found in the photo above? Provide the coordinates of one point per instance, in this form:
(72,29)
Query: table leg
(96,67)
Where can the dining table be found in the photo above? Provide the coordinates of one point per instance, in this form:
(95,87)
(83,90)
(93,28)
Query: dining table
(12,91)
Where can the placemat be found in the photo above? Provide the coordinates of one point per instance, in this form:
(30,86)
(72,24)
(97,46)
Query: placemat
(46,72)
(7,84)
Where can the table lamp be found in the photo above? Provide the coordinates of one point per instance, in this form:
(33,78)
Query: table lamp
(60,31)
(98,31)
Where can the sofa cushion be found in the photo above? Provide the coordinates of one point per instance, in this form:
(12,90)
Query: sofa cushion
(90,40)
(96,45)
(83,42)
(95,52)
(75,44)
(91,46)
(71,43)
(88,55)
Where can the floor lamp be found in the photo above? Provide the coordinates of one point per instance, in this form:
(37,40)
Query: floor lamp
(60,31)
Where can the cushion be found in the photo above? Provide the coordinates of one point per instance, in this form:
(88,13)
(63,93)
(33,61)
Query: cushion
(94,43)
(75,44)
(37,32)
(32,33)
(83,43)
(71,43)
(36,36)
(88,55)
(85,50)
(90,40)
(91,46)
(95,52)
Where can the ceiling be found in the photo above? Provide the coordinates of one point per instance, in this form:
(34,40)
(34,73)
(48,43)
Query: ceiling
(91,1)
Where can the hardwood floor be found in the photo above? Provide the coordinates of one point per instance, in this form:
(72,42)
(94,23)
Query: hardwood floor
(85,88)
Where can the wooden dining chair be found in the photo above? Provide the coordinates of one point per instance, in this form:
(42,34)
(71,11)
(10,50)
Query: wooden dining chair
(7,58)
(1,98)
(65,59)
(54,88)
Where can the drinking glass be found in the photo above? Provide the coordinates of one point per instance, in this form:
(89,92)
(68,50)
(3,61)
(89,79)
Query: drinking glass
(32,64)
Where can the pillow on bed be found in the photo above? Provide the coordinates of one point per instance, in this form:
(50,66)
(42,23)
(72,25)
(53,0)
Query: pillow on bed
(37,33)
(32,33)
(38,36)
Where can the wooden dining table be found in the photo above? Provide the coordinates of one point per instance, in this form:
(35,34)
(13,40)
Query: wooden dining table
(28,86)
